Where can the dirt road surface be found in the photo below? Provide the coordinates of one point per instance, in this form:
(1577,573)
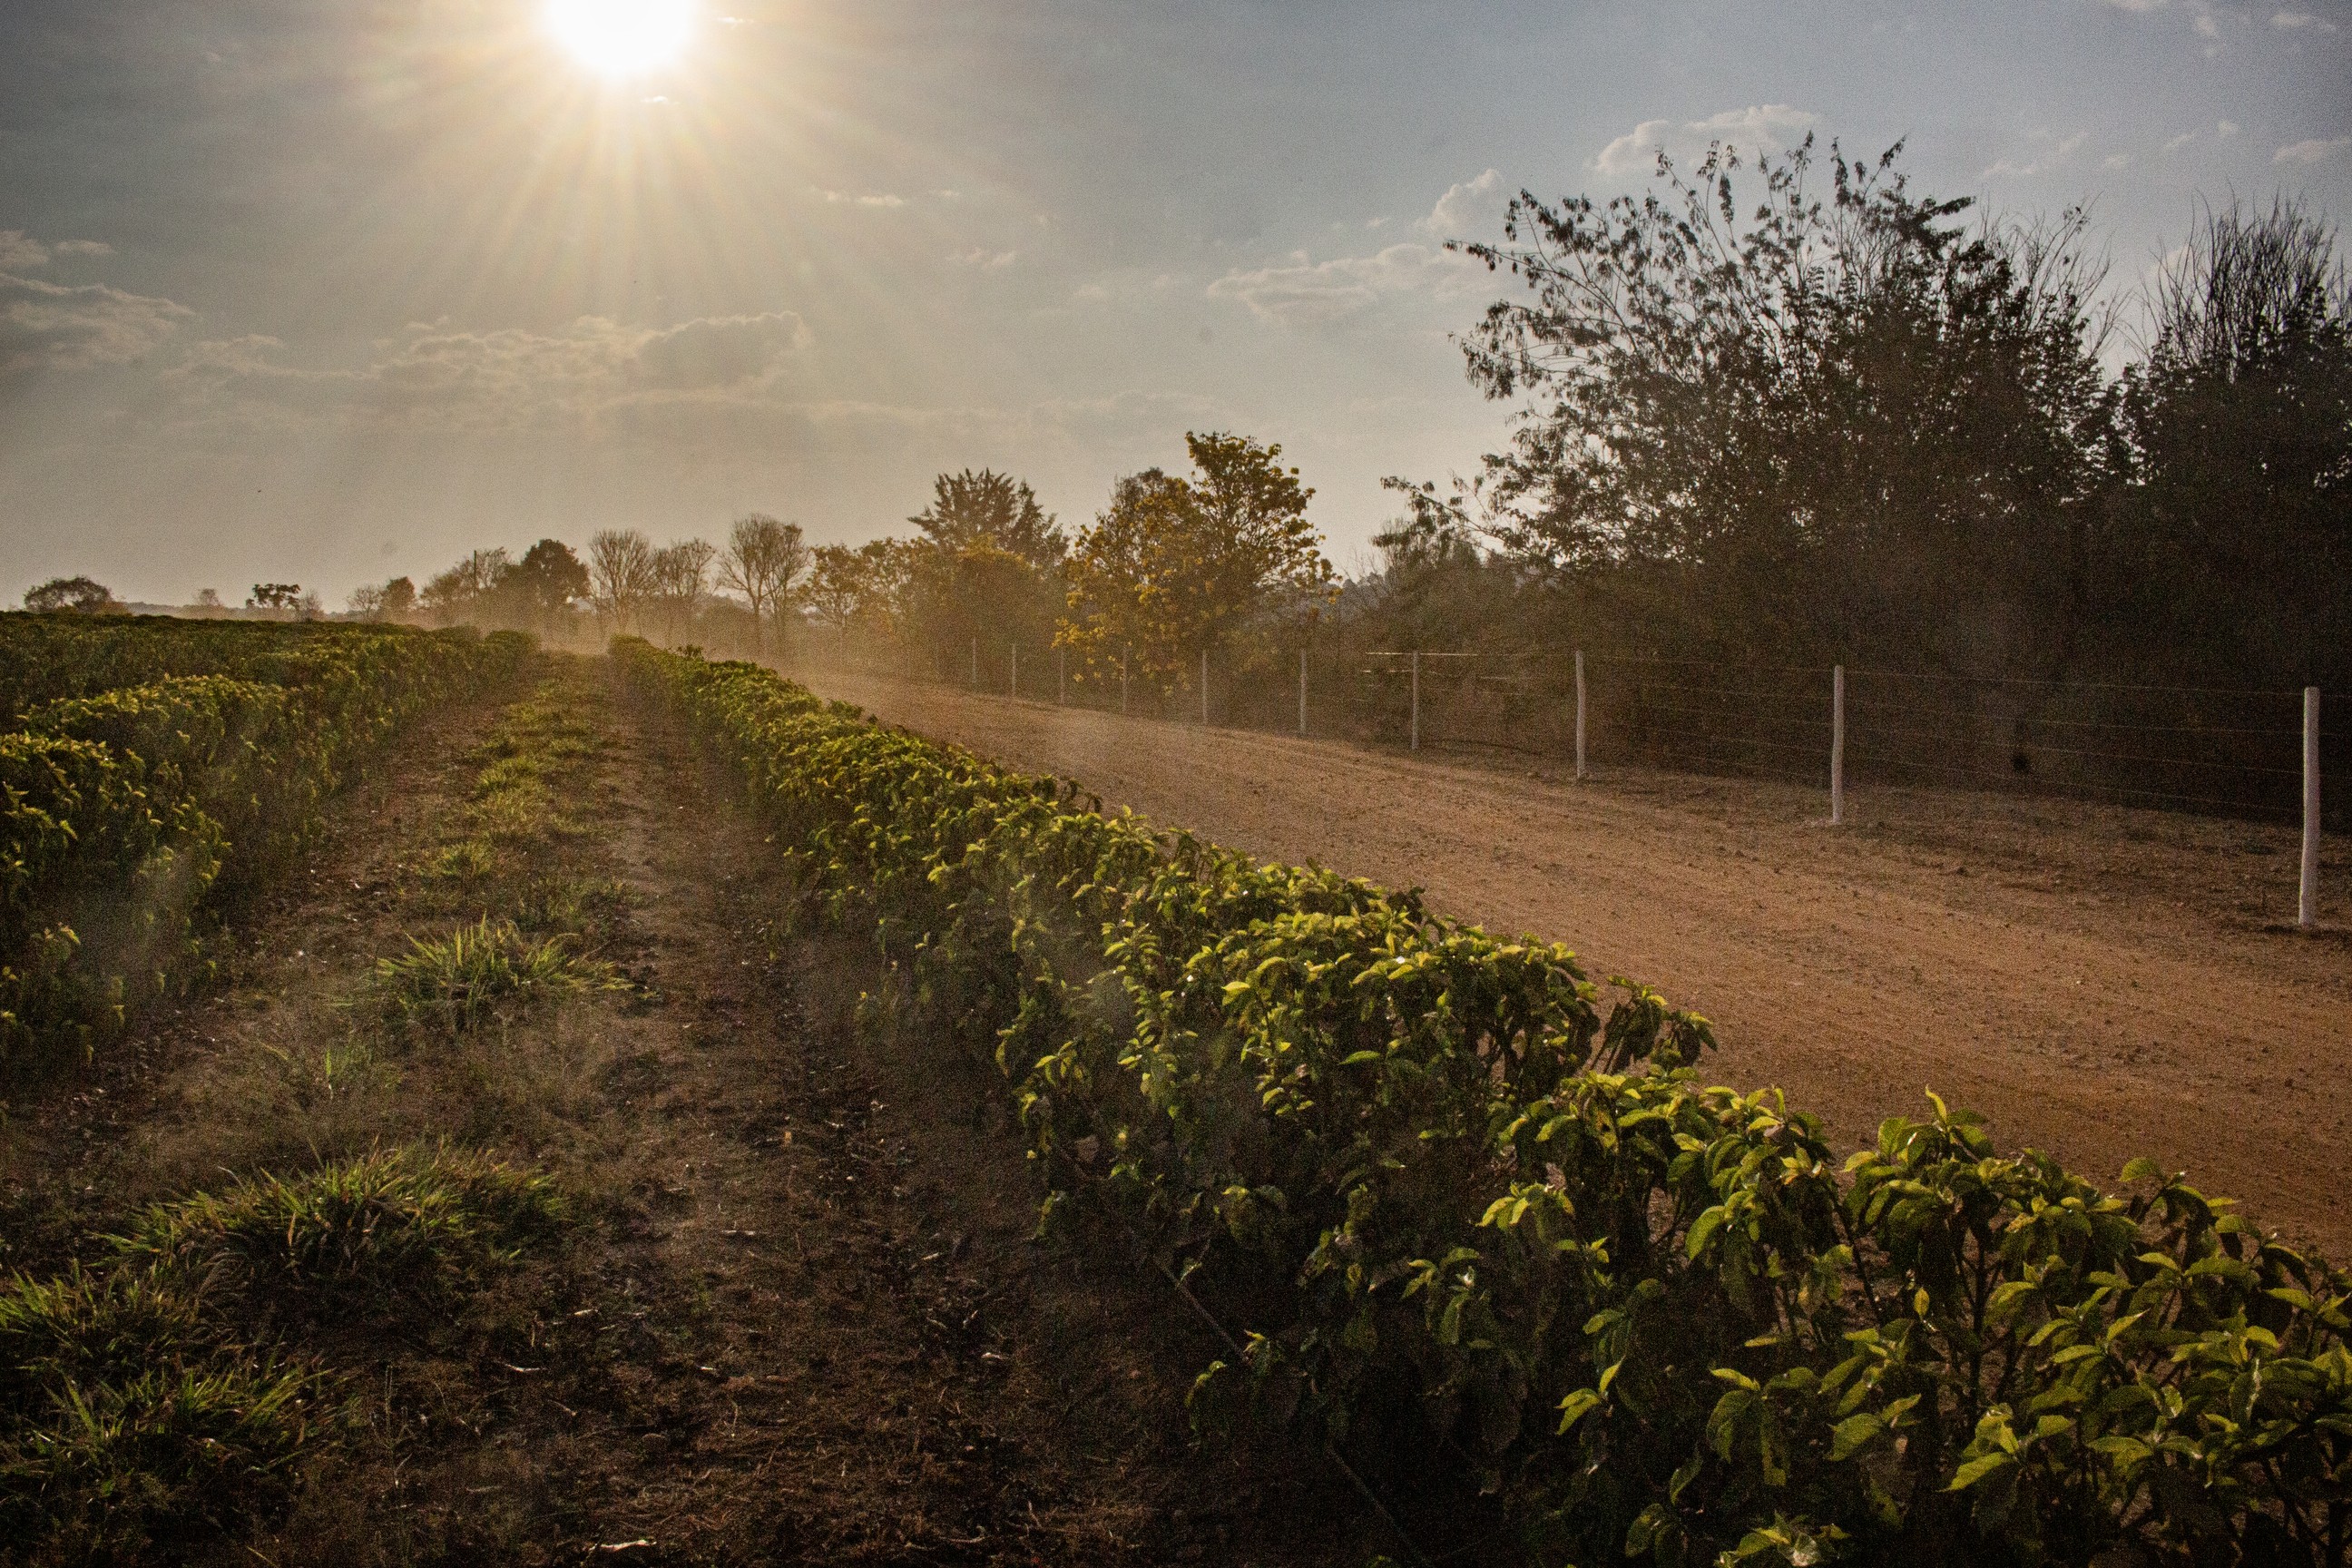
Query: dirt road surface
(2099,982)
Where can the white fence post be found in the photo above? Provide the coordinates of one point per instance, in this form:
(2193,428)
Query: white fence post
(1302,694)
(1014,688)
(1061,676)
(2306,913)
(1837,745)
(1204,686)
(1580,715)
(1415,657)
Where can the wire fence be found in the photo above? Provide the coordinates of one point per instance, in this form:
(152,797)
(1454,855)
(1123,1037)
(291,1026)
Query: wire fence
(2223,751)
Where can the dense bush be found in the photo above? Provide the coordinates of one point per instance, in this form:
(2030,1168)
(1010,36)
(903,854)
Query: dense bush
(1416,1166)
(127,815)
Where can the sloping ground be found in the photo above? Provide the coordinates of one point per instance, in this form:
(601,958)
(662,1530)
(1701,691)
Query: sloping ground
(2101,983)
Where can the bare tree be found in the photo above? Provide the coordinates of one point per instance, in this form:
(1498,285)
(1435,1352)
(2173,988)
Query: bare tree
(681,575)
(762,559)
(621,576)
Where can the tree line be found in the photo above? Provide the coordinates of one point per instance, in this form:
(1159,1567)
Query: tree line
(1773,410)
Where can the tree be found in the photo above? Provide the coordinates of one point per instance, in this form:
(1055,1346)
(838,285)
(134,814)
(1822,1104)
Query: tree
(2239,541)
(866,584)
(762,559)
(459,594)
(988,508)
(399,598)
(621,576)
(209,601)
(1176,567)
(546,583)
(1837,422)
(681,573)
(77,595)
(274,596)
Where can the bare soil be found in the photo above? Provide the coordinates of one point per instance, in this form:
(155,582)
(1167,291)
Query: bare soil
(2100,981)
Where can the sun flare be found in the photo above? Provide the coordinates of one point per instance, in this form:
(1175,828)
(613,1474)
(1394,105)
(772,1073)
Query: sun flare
(622,38)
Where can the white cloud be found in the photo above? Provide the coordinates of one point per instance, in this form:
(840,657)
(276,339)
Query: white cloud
(2178,142)
(2226,129)
(2137,4)
(851,198)
(1759,128)
(19,249)
(1299,291)
(47,326)
(2291,19)
(985,259)
(2312,151)
(510,376)
(2115,161)
(2058,154)
(1466,206)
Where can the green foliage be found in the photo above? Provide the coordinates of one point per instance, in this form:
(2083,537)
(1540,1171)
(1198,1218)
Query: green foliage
(390,1233)
(478,974)
(165,1399)
(1419,1169)
(139,796)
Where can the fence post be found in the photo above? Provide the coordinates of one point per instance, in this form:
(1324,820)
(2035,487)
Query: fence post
(1580,715)
(1415,657)
(1014,688)
(975,664)
(2306,913)
(1837,745)
(1204,686)
(1302,694)
(1061,676)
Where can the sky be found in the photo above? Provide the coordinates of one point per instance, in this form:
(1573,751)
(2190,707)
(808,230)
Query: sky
(330,290)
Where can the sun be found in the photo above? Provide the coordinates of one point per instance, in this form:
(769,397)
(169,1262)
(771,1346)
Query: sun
(622,38)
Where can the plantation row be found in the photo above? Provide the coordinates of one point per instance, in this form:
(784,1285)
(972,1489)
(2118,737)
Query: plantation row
(154,770)
(1435,1193)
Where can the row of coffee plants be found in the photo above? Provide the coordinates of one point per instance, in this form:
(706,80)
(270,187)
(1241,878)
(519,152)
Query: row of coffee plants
(1441,1196)
(130,815)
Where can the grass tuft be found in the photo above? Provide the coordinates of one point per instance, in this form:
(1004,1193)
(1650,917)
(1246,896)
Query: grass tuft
(477,973)
(392,1232)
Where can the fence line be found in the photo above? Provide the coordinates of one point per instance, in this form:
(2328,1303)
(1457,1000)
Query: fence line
(2209,749)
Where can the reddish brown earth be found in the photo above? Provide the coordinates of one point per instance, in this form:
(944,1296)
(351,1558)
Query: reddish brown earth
(2100,981)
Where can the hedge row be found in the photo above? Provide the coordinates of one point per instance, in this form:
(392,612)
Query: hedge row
(1443,1194)
(127,817)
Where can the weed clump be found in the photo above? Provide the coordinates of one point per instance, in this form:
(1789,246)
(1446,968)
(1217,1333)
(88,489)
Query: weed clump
(375,1238)
(478,973)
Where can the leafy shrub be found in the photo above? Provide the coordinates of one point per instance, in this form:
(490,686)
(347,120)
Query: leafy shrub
(128,813)
(1656,1316)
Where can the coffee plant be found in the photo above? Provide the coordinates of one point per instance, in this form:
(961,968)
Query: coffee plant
(1438,1191)
(130,815)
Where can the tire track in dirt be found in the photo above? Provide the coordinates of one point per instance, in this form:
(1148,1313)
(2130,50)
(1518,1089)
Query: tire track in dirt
(2099,984)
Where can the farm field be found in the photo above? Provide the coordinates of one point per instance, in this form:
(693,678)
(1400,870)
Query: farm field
(761,1284)
(2100,982)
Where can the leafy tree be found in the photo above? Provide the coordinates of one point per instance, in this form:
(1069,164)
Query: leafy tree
(1178,566)
(621,576)
(2238,526)
(81,595)
(986,567)
(969,509)
(274,596)
(459,594)
(399,597)
(1833,423)
(546,582)
(762,560)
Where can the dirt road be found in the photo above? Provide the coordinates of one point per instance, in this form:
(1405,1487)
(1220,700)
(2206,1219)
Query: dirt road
(2099,982)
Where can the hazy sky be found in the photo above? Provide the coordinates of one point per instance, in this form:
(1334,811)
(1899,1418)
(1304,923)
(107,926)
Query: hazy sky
(323,290)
